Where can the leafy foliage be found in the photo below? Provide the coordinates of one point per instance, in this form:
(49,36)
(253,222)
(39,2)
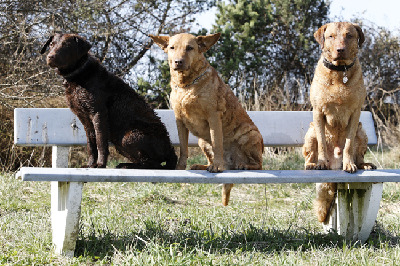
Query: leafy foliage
(268,45)
(380,59)
(117,29)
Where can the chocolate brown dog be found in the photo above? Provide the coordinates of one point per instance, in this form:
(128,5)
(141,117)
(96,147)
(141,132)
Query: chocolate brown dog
(109,109)
(336,139)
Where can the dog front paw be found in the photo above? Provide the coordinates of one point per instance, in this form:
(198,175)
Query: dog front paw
(242,167)
(322,165)
(101,165)
(180,167)
(92,165)
(310,166)
(92,162)
(349,167)
(215,168)
(366,166)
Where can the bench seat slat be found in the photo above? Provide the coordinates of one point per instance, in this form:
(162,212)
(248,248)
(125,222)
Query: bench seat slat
(199,176)
(60,127)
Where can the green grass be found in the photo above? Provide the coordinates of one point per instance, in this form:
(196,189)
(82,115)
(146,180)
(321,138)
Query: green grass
(185,224)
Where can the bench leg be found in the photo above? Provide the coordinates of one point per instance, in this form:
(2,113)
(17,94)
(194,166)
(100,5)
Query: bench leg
(65,207)
(65,215)
(355,210)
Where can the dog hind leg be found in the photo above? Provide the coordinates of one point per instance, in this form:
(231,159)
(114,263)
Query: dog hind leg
(361,142)
(146,151)
(310,149)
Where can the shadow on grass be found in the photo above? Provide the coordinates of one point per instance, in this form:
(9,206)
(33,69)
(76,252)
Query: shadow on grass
(187,237)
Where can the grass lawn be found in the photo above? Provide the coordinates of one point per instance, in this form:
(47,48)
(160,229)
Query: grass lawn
(185,224)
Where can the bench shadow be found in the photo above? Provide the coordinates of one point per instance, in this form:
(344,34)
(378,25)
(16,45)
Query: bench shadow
(268,240)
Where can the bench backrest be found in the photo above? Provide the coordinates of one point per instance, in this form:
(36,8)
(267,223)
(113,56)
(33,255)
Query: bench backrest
(60,127)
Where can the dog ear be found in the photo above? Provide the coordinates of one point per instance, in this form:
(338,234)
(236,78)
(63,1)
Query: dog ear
(319,35)
(205,42)
(361,37)
(83,45)
(44,48)
(161,41)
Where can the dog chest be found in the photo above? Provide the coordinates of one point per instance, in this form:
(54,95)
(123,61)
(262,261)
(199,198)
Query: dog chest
(193,110)
(193,102)
(327,91)
(82,101)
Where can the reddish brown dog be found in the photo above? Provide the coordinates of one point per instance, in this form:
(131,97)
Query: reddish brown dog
(336,139)
(206,106)
(109,109)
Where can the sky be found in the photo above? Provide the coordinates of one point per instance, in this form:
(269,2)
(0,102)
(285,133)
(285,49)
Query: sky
(383,13)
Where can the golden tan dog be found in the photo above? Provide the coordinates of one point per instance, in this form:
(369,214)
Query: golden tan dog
(204,105)
(336,139)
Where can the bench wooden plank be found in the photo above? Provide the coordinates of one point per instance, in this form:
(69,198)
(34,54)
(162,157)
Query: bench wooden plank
(200,176)
(60,127)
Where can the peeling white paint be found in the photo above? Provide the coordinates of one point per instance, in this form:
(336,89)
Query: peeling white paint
(45,136)
(28,130)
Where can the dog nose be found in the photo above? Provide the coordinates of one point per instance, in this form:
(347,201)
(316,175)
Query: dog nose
(340,50)
(179,62)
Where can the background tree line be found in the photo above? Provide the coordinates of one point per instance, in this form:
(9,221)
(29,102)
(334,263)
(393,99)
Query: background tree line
(266,53)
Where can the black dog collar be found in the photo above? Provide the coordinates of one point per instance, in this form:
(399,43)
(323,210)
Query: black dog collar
(342,68)
(82,63)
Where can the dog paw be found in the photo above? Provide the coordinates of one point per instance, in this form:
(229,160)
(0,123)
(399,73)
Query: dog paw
(180,167)
(242,167)
(322,165)
(367,166)
(198,167)
(215,168)
(310,166)
(349,167)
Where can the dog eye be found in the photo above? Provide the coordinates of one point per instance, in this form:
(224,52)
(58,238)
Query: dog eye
(189,48)
(171,47)
(348,36)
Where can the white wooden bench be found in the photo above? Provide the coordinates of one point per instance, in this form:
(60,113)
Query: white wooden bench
(353,215)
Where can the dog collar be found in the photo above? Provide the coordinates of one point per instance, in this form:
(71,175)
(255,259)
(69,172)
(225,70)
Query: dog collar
(342,68)
(81,64)
(194,81)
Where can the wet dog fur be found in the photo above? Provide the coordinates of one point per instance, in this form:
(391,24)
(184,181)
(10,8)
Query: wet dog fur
(109,109)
